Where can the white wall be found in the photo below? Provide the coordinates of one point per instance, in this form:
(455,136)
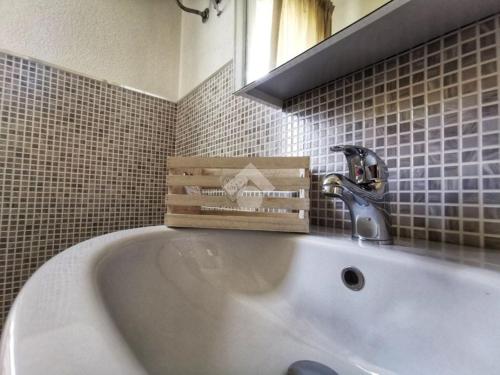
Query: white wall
(129,42)
(205,47)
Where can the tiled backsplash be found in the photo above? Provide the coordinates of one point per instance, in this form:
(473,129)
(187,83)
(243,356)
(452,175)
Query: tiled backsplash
(78,158)
(432,113)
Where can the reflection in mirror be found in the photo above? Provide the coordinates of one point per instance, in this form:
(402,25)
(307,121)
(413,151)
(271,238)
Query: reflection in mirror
(279,30)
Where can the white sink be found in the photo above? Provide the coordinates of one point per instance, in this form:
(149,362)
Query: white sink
(162,301)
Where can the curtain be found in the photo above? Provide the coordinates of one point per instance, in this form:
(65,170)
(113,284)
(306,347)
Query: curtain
(262,37)
(302,24)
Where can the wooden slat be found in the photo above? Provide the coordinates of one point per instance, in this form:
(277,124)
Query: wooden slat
(181,190)
(279,183)
(291,172)
(279,215)
(237,222)
(243,202)
(238,162)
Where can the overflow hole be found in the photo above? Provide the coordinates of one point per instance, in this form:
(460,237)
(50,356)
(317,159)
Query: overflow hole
(353,278)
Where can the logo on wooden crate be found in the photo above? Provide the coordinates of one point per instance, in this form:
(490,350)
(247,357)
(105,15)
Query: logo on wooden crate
(249,182)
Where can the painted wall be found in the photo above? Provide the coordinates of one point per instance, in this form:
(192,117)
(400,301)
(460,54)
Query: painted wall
(205,47)
(129,42)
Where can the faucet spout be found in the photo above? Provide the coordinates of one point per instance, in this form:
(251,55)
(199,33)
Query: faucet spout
(367,197)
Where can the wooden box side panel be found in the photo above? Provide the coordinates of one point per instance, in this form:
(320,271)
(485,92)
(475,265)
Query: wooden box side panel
(283,207)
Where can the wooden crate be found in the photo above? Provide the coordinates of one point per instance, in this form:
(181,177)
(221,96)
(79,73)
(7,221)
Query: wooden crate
(261,193)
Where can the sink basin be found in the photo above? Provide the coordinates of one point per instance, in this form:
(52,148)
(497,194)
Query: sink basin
(163,301)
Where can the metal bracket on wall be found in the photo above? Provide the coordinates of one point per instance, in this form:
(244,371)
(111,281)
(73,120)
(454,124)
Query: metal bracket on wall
(204,14)
(216,7)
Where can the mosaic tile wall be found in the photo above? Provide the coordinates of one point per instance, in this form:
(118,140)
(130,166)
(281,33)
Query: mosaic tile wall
(78,158)
(432,113)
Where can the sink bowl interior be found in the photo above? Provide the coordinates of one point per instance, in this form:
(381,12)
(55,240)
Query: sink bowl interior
(215,302)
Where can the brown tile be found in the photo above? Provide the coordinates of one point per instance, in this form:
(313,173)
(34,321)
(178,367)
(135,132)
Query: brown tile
(78,158)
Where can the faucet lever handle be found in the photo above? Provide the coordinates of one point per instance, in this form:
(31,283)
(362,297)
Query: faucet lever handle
(364,164)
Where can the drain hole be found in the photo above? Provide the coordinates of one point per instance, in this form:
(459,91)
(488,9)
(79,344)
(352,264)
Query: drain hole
(353,278)
(309,368)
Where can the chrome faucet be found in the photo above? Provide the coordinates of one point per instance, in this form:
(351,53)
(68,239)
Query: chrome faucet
(365,192)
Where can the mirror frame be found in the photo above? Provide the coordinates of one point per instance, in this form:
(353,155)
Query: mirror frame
(240,43)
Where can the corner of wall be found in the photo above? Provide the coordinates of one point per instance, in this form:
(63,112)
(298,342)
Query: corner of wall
(204,47)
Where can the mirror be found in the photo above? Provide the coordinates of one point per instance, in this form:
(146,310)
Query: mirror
(276,31)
